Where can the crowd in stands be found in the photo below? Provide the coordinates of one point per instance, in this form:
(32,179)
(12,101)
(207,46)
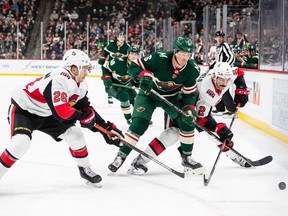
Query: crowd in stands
(86,23)
(16,16)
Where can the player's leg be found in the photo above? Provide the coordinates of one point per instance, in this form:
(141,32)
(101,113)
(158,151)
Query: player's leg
(166,138)
(124,98)
(78,149)
(142,112)
(77,146)
(20,142)
(186,136)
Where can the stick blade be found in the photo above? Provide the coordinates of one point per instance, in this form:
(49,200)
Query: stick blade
(205,181)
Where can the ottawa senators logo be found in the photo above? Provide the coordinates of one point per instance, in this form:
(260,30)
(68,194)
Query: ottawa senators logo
(140,109)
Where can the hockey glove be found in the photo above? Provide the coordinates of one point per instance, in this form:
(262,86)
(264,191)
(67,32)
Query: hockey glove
(241,96)
(146,82)
(107,81)
(118,135)
(102,60)
(87,119)
(224,133)
(191,114)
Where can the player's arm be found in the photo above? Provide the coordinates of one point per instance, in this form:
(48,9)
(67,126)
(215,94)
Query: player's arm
(141,71)
(241,91)
(190,85)
(93,117)
(106,75)
(103,56)
(206,120)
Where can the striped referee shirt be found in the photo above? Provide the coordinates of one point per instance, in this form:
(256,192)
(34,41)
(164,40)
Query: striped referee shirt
(224,54)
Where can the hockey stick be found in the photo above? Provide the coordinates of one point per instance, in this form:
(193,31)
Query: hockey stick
(125,86)
(180,174)
(260,162)
(207,180)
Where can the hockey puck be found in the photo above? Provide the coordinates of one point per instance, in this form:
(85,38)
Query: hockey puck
(282,185)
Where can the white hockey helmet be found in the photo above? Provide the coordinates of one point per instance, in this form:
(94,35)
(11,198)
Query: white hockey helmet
(223,70)
(77,58)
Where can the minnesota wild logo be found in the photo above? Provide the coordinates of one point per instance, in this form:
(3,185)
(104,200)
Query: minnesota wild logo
(140,109)
(166,86)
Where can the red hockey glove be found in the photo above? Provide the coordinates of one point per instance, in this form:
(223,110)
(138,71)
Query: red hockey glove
(87,120)
(192,114)
(223,131)
(241,96)
(118,135)
(227,146)
(146,82)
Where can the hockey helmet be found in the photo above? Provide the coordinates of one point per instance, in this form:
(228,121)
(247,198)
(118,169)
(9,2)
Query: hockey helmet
(78,58)
(237,49)
(120,34)
(252,48)
(223,70)
(219,33)
(183,44)
(133,49)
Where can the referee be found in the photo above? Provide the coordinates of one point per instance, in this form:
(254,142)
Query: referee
(224,54)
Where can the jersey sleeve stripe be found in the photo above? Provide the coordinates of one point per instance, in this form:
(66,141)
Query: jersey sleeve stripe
(189,90)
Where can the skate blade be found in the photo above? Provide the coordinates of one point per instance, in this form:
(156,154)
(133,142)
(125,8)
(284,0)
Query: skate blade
(191,172)
(228,116)
(136,171)
(97,185)
(217,114)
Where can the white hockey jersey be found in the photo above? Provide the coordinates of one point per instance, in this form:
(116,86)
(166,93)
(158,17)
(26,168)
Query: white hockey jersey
(53,94)
(209,95)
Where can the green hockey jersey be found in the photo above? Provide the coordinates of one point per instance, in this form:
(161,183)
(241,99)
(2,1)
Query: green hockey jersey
(168,81)
(117,68)
(112,50)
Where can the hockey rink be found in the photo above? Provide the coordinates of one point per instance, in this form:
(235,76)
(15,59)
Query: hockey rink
(46,180)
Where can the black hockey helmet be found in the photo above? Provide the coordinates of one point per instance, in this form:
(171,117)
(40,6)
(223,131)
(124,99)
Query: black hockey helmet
(219,33)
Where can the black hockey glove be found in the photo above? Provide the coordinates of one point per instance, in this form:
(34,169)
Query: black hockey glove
(87,119)
(241,96)
(223,131)
(118,135)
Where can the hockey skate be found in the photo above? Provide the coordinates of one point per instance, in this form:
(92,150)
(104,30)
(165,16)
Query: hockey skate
(217,113)
(116,164)
(91,177)
(228,114)
(138,166)
(110,100)
(191,166)
(237,159)
(129,121)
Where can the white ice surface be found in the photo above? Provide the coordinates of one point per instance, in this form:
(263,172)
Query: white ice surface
(46,181)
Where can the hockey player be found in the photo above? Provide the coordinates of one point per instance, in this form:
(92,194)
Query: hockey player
(224,54)
(115,71)
(211,88)
(52,104)
(168,73)
(115,48)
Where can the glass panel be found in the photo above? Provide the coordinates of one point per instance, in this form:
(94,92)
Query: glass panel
(271,35)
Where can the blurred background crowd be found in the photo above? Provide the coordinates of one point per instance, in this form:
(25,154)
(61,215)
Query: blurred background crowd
(90,24)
